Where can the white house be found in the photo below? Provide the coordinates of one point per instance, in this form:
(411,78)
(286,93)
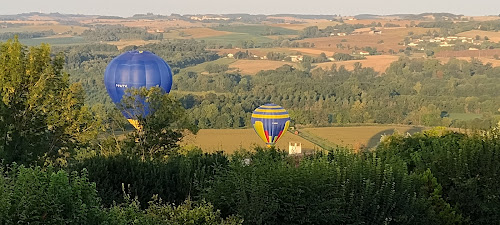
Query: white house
(294,148)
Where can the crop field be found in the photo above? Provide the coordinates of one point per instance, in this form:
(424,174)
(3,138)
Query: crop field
(252,67)
(202,32)
(30,22)
(368,136)
(236,38)
(493,36)
(257,30)
(321,24)
(379,63)
(53,41)
(312,51)
(200,68)
(57,28)
(230,140)
(389,39)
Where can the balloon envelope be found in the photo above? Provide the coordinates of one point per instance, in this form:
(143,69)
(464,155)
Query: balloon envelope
(136,69)
(270,122)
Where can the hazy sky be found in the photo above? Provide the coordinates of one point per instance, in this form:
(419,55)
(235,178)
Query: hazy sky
(166,7)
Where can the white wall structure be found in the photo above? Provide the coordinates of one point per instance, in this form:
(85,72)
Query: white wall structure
(294,148)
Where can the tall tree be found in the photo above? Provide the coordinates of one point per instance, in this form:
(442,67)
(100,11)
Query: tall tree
(44,117)
(162,129)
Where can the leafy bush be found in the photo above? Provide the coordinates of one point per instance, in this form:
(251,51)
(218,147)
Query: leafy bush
(173,180)
(466,167)
(46,196)
(159,213)
(338,188)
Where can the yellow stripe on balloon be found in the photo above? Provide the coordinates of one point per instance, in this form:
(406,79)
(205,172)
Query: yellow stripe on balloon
(271,107)
(258,116)
(135,123)
(270,110)
(259,129)
(287,124)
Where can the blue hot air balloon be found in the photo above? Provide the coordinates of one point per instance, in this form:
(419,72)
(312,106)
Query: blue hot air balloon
(270,121)
(136,69)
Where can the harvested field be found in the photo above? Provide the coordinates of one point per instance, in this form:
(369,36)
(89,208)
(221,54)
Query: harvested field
(368,136)
(312,51)
(492,35)
(306,23)
(252,67)
(378,62)
(230,140)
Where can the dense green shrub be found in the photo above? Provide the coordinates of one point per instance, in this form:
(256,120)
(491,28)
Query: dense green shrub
(172,180)
(340,188)
(467,168)
(47,196)
(158,213)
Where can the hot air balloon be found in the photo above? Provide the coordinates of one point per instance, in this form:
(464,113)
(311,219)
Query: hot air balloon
(270,121)
(136,69)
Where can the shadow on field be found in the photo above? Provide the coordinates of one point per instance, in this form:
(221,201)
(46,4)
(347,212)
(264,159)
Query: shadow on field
(375,139)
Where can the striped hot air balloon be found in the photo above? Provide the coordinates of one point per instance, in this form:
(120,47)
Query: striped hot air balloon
(270,121)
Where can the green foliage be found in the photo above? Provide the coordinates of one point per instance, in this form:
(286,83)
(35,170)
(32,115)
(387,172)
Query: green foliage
(159,213)
(25,35)
(173,180)
(216,68)
(466,167)
(44,117)
(339,188)
(342,56)
(118,32)
(162,129)
(314,31)
(47,196)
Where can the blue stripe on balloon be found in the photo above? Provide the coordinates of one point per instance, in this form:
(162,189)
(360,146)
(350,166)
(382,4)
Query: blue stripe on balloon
(270,113)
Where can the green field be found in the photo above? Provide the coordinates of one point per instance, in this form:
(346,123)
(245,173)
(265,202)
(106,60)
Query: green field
(200,68)
(257,30)
(53,41)
(237,38)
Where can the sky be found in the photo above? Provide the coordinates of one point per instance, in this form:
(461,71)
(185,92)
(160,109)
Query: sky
(328,7)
